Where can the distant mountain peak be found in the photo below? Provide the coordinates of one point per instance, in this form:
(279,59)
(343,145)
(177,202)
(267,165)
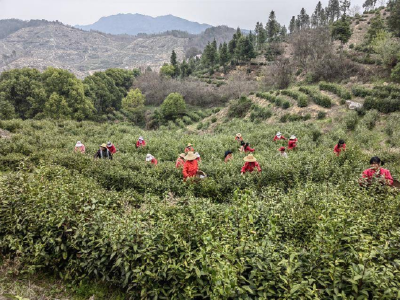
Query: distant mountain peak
(134,24)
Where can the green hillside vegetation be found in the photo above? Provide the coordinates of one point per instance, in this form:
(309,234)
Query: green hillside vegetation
(72,227)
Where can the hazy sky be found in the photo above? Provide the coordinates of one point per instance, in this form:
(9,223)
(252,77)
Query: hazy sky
(243,13)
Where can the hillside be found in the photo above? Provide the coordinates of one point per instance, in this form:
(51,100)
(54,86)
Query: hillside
(134,24)
(82,52)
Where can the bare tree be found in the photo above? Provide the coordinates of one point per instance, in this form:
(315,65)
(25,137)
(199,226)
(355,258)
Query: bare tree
(355,9)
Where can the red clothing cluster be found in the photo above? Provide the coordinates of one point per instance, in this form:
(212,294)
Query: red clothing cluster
(190,168)
(248,149)
(277,138)
(140,143)
(154,162)
(249,167)
(338,148)
(179,163)
(292,144)
(189,149)
(112,149)
(370,174)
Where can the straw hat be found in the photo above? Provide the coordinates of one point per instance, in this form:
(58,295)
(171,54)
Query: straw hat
(238,135)
(197,154)
(293,137)
(190,156)
(78,144)
(103,145)
(109,144)
(282,149)
(182,155)
(250,158)
(189,145)
(278,133)
(140,138)
(149,157)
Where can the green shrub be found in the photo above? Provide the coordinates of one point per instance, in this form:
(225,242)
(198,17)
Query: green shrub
(395,75)
(286,104)
(351,120)
(199,126)
(370,119)
(317,97)
(187,120)
(302,100)
(321,115)
(360,91)
(214,119)
(336,89)
(239,108)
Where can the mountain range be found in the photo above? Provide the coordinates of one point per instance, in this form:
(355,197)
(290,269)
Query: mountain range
(134,24)
(41,44)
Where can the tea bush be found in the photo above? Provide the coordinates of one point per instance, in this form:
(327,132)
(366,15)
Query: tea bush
(335,88)
(317,96)
(302,229)
(302,99)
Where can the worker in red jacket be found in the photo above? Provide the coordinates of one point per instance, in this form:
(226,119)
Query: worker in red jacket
(111,148)
(339,147)
(180,161)
(292,143)
(189,148)
(238,137)
(151,159)
(376,174)
(279,137)
(247,148)
(190,167)
(141,142)
(250,164)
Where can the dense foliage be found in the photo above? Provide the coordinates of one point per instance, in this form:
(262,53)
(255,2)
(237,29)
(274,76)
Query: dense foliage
(301,229)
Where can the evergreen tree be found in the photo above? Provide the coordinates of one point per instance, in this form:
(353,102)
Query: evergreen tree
(260,35)
(283,32)
(333,10)
(292,25)
(345,6)
(394,18)
(133,100)
(224,56)
(341,30)
(184,69)
(316,18)
(369,4)
(272,27)
(377,25)
(245,49)
(304,19)
(174,63)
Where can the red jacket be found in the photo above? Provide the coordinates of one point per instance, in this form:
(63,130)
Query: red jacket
(239,139)
(190,168)
(189,149)
(248,149)
(249,167)
(292,144)
(276,138)
(154,162)
(339,149)
(369,174)
(179,163)
(112,149)
(140,144)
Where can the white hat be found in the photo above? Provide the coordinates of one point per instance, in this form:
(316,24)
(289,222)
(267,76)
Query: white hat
(278,133)
(140,138)
(109,144)
(78,144)
(149,157)
(293,137)
(197,154)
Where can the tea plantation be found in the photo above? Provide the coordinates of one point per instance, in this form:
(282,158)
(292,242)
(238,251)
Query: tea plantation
(302,229)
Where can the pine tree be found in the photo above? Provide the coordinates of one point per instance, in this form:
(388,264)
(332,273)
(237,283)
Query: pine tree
(272,27)
(316,18)
(283,32)
(345,6)
(224,56)
(333,10)
(245,49)
(292,25)
(304,19)
(394,18)
(174,63)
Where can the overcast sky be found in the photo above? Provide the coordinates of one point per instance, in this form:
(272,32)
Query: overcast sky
(234,13)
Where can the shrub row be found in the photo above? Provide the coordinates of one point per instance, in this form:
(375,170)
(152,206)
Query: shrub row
(317,96)
(302,100)
(336,89)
